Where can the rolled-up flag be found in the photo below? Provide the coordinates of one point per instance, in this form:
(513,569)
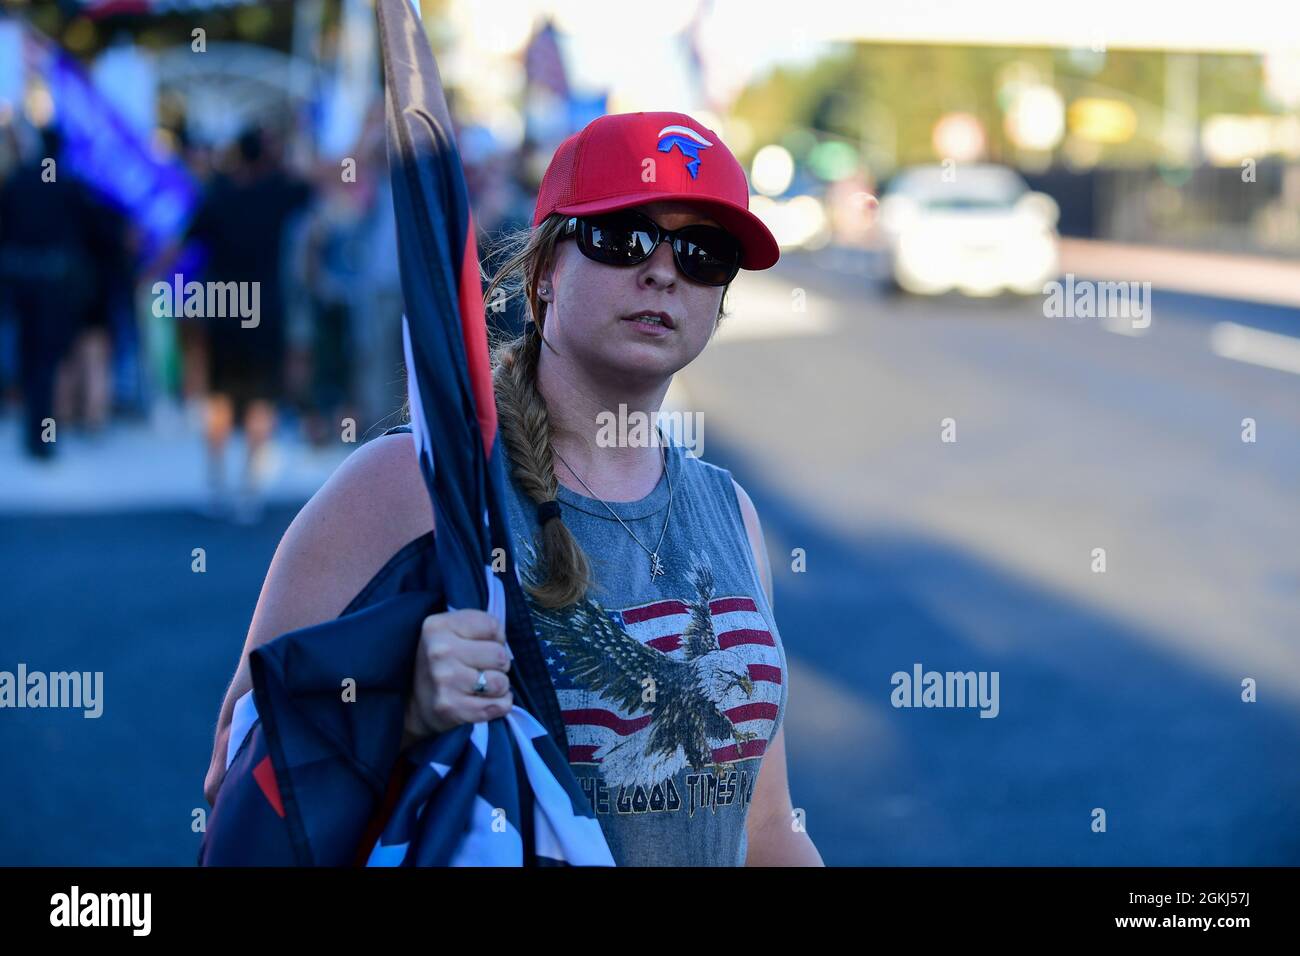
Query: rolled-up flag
(308,772)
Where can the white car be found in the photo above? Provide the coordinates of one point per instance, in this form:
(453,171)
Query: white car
(976,228)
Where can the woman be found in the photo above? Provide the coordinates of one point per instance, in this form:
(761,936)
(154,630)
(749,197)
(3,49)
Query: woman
(644,567)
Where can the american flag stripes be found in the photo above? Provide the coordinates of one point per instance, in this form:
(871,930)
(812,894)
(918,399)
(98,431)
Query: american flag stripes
(596,725)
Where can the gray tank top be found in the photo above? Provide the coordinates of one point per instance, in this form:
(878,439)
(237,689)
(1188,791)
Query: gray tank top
(671,687)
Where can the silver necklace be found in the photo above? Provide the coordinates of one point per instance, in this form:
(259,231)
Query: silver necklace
(656,565)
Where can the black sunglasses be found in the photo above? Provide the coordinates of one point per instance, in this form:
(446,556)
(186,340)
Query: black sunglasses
(704,254)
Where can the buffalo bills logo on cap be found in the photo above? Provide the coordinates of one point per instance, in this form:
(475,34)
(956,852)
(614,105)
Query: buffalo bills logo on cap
(687,141)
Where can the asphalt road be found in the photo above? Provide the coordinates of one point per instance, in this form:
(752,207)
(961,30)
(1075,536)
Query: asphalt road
(1118,690)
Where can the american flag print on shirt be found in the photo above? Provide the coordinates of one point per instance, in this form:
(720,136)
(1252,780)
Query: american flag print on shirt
(692,682)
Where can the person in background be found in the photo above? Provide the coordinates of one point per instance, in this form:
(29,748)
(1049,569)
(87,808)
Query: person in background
(242,222)
(198,156)
(48,223)
(379,367)
(83,395)
(330,261)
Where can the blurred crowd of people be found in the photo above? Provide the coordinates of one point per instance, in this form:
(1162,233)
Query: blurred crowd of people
(324,356)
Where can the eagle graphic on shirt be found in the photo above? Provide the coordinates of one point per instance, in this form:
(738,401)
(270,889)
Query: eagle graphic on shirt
(652,689)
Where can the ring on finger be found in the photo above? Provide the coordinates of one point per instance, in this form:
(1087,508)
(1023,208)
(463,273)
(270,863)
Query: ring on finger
(480,686)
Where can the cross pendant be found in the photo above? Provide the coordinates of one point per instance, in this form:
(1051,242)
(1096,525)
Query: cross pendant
(656,566)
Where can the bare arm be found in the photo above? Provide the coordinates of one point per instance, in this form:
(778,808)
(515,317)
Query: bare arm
(372,506)
(772,837)
(756,543)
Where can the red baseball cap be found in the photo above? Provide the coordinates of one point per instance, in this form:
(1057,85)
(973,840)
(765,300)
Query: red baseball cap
(602,167)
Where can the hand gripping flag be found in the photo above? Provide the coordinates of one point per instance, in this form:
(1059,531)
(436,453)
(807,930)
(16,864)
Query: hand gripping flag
(313,773)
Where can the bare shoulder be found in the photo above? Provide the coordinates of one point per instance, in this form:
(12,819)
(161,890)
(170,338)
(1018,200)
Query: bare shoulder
(755,531)
(377,490)
(371,507)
